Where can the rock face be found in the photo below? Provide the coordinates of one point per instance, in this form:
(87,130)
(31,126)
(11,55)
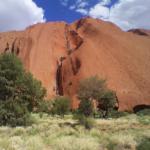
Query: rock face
(60,55)
(140,32)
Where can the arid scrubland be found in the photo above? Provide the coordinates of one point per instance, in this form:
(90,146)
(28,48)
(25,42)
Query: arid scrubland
(55,133)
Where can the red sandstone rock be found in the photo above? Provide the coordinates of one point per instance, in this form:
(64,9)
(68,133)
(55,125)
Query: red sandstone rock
(140,32)
(60,55)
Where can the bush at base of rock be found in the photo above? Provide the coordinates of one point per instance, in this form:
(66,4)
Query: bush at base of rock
(92,91)
(14,113)
(20,92)
(144,112)
(60,106)
(44,106)
(117,114)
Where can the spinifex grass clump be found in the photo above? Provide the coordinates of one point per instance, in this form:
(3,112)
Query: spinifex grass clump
(87,122)
(144,144)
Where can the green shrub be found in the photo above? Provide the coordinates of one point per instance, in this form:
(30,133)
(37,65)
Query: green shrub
(117,114)
(87,122)
(86,107)
(145,120)
(60,106)
(89,89)
(144,112)
(107,102)
(111,145)
(144,144)
(13,113)
(44,106)
(94,89)
(19,91)
(97,114)
(33,92)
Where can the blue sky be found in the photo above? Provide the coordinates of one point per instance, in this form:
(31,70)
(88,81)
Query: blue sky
(56,11)
(127,14)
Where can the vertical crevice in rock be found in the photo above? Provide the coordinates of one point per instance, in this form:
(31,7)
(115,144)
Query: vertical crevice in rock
(59,78)
(76,39)
(7,48)
(76,64)
(73,40)
(80,23)
(15,47)
(68,47)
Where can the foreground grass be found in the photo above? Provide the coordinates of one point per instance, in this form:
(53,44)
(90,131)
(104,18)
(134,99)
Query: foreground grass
(54,133)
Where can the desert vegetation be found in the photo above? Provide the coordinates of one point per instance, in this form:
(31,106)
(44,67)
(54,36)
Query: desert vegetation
(57,133)
(20,92)
(30,122)
(94,90)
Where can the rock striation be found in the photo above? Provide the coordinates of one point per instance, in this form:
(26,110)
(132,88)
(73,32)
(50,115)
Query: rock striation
(61,54)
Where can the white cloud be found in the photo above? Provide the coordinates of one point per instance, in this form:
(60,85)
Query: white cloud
(72,7)
(105,2)
(18,14)
(82,3)
(82,11)
(131,14)
(80,7)
(64,2)
(126,13)
(99,11)
(76,5)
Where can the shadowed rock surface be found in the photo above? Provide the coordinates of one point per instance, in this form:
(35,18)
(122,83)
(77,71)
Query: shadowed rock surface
(60,55)
(141,32)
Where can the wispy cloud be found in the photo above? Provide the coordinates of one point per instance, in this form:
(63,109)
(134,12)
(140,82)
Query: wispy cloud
(82,11)
(79,6)
(64,2)
(105,2)
(82,3)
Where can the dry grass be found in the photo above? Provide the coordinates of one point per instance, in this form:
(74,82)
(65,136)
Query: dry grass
(54,133)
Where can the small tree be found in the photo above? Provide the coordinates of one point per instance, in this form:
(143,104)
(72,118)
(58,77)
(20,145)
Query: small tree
(90,89)
(19,91)
(86,107)
(60,106)
(32,91)
(45,106)
(107,102)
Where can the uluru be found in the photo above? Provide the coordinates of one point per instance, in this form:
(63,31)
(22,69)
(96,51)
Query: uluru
(60,55)
(74,75)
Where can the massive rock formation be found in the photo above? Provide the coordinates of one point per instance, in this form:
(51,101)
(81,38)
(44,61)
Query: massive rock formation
(60,55)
